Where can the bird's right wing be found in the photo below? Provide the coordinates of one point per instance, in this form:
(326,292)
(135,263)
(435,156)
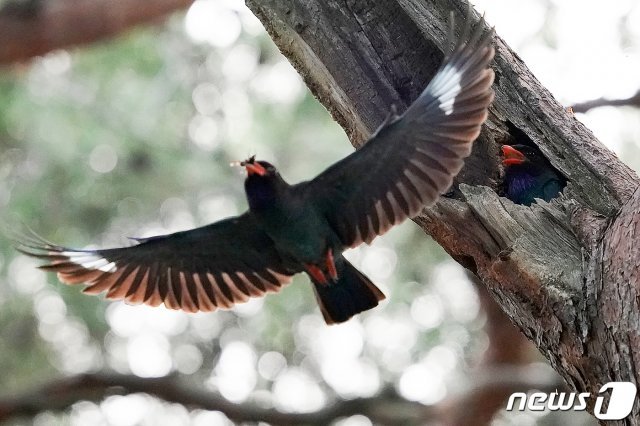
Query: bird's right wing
(215,266)
(413,158)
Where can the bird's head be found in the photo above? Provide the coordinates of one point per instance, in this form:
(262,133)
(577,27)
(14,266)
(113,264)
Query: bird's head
(258,168)
(263,184)
(515,155)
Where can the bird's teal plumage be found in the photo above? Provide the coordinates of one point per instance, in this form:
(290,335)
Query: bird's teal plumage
(524,186)
(299,231)
(302,234)
(532,178)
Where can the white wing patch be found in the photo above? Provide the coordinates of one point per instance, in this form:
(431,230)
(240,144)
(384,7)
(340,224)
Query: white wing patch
(447,86)
(90,260)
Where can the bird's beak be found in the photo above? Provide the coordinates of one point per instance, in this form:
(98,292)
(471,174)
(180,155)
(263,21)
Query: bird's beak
(512,156)
(255,168)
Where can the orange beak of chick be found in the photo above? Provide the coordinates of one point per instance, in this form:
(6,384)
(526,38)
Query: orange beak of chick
(512,156)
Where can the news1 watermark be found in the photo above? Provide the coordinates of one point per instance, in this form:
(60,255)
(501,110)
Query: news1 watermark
(623,394)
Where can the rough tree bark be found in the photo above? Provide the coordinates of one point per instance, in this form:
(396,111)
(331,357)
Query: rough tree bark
(566,272)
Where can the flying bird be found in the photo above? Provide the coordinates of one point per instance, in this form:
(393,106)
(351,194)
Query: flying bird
(528,175)
(408,162)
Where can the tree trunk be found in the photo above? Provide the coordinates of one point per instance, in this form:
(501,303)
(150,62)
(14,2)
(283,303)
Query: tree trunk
(566,272)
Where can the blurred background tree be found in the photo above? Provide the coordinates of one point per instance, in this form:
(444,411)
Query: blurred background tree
(133,136)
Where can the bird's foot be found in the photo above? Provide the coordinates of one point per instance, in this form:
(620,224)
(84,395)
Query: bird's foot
(321,276)
(316,273)
(331,266)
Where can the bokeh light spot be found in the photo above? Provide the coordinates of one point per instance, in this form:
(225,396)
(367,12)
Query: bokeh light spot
(271,364)
(103,158)
(126,410)
(209,21)
(203,131)
(188,358)
(148,355)
(296,391)
(422,383)
(235,372)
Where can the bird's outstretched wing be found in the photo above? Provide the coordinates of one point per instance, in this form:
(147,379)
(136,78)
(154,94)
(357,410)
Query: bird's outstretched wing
(202,269)
(413,158)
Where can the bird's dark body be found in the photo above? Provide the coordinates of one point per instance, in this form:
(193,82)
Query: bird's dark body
(524,185)
(302,235)
(300,232)
(528,175)
(288,229)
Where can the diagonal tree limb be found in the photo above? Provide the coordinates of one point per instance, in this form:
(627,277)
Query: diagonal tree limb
(549,265)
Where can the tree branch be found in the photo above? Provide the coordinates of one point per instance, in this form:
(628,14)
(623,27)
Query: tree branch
(64,392)
(385,408)
(633,101)
(35,27)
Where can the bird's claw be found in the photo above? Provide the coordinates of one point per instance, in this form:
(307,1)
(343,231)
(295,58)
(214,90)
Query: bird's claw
(316,273)
(331,266)
(321,276)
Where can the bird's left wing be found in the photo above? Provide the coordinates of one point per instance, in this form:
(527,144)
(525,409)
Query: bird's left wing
(413,158)
(215,266)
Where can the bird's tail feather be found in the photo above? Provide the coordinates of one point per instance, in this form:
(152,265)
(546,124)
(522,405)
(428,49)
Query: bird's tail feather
(351,294)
